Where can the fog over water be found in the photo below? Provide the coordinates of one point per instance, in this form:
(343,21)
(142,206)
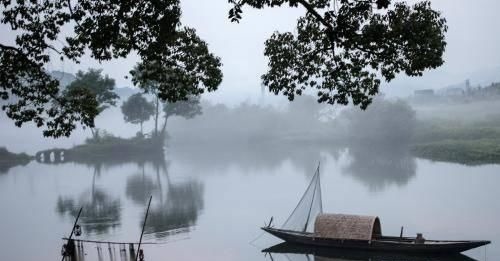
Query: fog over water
(226,171)
(213,211)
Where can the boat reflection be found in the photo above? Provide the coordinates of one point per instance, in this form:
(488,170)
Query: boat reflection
(295,252)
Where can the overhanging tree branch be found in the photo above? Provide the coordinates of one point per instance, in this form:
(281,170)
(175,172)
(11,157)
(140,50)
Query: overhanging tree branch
(313,11)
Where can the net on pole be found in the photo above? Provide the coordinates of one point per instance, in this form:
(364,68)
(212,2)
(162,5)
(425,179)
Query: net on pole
(309,207)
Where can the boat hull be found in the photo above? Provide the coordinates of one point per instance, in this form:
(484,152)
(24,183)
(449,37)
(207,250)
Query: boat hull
(395,244)
(324,253)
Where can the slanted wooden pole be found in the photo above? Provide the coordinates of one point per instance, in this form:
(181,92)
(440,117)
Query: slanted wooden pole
(73,229)
(143,226)
(401,234)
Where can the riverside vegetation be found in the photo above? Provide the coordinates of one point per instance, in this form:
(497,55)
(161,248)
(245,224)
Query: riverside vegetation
(465,131)
(9,159)
(470,142)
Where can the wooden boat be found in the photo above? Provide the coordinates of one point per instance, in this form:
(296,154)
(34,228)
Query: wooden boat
(331,254)
(353,231)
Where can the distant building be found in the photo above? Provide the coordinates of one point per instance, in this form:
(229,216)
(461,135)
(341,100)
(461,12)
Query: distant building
(454,91)
(424,93)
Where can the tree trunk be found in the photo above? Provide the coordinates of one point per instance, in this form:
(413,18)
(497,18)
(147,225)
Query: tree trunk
(158,180)
(93,184)
(164,128)
(157,115)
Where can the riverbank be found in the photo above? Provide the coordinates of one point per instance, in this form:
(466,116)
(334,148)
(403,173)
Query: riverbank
(112,148)
(470,143)
(9,159)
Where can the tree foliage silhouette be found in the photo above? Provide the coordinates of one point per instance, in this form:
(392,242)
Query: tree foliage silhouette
(102,87)
(166,81)
(187,109)
(104,30)
(136,110)
(344,48)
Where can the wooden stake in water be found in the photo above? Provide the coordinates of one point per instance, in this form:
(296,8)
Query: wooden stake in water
(73,229)
(143,226)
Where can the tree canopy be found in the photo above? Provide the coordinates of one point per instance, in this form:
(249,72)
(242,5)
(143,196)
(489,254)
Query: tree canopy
(191,71)
(102,87)
(343,48)
(187,109)
(136,109)
(166,80)
(104,30)
(384,123)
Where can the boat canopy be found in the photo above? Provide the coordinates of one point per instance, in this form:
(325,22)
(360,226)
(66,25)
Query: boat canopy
(341,226)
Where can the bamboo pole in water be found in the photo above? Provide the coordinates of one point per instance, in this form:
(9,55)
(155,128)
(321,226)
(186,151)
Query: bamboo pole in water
(73,229)
(143,226)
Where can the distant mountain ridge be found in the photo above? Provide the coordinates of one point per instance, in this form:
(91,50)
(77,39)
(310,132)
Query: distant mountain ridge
(125,92)
(64,78)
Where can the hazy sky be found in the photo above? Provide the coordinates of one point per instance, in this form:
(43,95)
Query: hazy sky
(473,47)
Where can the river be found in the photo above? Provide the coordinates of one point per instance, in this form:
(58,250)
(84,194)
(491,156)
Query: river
(209,202)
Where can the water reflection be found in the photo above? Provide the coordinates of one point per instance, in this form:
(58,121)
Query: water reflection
(374,166)
(175,208)
(192,188)
(178,207)
(378,167)
(140,187)
(291,252)
(101,212)
(252,156)
(4,169)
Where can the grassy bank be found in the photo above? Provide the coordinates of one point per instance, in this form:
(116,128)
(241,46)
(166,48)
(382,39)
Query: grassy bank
(111,148)
(469,152)
(470,143)
(9,159)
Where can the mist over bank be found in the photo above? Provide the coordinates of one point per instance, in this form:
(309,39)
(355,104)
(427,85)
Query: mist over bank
(464,130)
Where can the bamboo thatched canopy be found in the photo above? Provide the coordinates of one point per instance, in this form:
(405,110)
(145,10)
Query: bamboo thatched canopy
(347,226)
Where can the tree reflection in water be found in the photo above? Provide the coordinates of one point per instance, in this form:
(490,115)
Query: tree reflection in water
(378,167)
(178,212)
(139,187)
(176,206)
(100,211)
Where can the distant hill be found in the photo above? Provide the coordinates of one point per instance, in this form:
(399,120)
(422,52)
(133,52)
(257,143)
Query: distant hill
(64,78)
(125,92)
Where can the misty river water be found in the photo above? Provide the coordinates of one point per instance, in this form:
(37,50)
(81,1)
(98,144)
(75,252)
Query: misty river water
(208,204)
